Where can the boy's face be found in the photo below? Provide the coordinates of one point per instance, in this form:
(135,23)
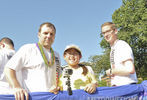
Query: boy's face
(72,57)
(109,33)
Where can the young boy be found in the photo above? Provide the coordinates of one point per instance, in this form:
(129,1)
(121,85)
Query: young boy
(82,77)
(122,71)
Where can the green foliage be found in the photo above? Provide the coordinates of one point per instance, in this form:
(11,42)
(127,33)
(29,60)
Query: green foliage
(139,81)
(99,63)
(102,83)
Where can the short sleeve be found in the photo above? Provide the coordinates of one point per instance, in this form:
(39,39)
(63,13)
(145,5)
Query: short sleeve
(17,61)
(91,74)
(90,70)
(125,51)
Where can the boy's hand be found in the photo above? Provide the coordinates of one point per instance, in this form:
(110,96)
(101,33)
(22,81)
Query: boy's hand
(91,88)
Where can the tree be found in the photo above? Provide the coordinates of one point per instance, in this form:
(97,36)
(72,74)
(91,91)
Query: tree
(131,20)
(99,63)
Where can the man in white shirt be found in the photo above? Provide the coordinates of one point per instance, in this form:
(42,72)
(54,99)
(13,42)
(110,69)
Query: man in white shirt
(122,71)
(38,64)
(6,52)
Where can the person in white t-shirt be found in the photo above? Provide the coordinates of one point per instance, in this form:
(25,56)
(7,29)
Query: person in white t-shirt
(6,52)
(81,76)
(122,71)
(39,63)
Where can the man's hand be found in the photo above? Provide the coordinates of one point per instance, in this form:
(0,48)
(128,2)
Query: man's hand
(91,88)
(54,90)
(19,94)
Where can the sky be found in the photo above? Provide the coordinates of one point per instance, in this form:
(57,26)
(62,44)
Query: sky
(76,21)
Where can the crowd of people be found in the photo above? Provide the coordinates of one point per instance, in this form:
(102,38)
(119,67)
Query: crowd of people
(36,67)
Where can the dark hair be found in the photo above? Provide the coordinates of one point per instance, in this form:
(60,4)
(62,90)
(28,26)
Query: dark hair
(85,70)
(48,24)
(7,41)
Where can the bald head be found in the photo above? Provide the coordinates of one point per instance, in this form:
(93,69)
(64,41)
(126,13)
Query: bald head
(7,42)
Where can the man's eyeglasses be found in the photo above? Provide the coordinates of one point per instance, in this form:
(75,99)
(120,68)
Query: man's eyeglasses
(108,32)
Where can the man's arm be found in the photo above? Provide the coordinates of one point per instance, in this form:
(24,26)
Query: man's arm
(19,92)
(126,70)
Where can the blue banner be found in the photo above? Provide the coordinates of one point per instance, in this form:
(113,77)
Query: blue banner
(126,92)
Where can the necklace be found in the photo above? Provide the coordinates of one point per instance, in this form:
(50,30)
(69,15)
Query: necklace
(51,61)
